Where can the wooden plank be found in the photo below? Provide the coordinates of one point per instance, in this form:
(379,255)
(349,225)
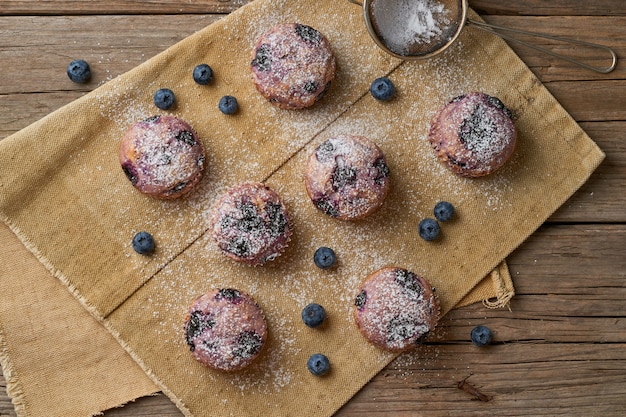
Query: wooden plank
(596,200)
(548,68)
(135,40)
(35,51)
(6,407)
(72,7)
(550,8)
(521,379)
(559,350)
(82,7)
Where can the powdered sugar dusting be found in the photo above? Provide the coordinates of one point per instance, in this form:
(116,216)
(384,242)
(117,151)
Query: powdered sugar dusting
(347,177)
(395,309)
(473,134)
(413,27)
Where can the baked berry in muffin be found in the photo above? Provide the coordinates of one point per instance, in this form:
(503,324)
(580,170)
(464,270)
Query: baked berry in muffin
(395,309)
(162,156)
(225,329)
(473,135)
(251,224)
(292,65)
(347,177)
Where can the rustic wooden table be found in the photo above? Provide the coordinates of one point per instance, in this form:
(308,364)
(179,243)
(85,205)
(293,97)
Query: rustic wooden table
(560,349)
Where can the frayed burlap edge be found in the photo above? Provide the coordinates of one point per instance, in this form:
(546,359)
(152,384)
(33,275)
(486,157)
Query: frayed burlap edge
(504,288)
(14,388)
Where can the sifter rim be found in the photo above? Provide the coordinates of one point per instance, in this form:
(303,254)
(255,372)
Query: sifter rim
(366,6)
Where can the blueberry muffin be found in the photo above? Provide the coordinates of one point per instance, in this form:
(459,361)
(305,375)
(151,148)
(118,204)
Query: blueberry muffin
(347,177)
(250,224)
(395,309)
(225,329)
(473,135)
(292,65)
(162,157)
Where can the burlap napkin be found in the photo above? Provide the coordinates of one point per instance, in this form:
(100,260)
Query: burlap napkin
(63,194)
(58,361)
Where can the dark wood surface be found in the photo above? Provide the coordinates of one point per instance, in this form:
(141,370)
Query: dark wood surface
(560,349)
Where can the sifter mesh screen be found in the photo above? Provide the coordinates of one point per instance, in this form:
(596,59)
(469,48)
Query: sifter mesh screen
(415,27)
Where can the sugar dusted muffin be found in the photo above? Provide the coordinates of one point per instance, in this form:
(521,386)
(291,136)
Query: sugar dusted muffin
(162,157)
(225,329)
(473,135)
(347,177)
(250,224)
(292,65)
(395,309)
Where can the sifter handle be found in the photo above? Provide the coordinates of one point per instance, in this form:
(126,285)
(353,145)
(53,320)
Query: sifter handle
(495,29)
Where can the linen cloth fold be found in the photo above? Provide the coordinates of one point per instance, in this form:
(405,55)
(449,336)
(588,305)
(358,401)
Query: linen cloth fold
(64,195)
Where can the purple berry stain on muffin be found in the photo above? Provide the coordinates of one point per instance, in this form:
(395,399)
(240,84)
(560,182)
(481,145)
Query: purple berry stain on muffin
(498,104)
(383,170)
(409,282)
(239,246)
(401,328)
(326,207)
(249,343)
(187,137)
(152,119)
(277,220)
(360,300)
(308,34)
(197,324)
(323,92)
(262,59)
(458,98)
(248,221)
(477,128)
(131,172)
(310,86)
(178,187)
(325,151)
(230,295)
(343,175)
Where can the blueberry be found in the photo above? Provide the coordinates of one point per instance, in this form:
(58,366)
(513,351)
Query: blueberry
(324,257)
(318,364)
(164,98)
(443,211)
(481,335)
(143,243)
(228,105)
(313,315)
(78,71)
(203,74)
(382,89)
(429,229)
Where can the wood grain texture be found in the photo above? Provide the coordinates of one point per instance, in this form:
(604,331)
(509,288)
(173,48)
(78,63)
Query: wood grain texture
(561,347)
(73,7)
(84,7)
